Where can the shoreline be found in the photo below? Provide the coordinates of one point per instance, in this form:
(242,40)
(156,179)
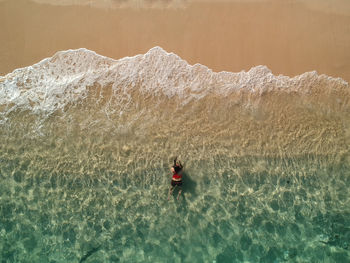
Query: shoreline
(288,38)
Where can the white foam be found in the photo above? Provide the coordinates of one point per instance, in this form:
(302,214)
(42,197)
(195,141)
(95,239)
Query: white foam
(53,82)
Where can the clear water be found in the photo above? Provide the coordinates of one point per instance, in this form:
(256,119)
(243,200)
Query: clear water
(266,179)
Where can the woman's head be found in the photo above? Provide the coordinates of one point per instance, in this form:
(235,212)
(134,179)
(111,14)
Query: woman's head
(177,168)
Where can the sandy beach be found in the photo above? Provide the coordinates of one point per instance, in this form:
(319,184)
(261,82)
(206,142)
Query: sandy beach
(290,37)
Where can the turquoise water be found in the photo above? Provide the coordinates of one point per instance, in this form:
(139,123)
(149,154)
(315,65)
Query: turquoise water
(85,163)
(298,214)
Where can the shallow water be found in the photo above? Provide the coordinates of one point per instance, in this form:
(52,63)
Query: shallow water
(86,150)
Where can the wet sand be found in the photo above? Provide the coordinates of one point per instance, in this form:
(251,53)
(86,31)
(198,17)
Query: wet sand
(290,37)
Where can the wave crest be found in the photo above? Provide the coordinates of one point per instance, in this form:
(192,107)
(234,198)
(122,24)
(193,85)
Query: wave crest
(53,82)
(248,112)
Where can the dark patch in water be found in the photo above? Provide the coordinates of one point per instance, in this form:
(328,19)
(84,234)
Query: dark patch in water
(89,253)
(336,241)
(189,185)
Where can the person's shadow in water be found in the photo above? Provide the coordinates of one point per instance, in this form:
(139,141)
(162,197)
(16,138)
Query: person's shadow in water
(189,185)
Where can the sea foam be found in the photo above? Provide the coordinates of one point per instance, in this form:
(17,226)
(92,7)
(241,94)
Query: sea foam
(65,78)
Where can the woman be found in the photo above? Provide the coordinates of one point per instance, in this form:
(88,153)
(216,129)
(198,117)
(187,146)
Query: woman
(176,180)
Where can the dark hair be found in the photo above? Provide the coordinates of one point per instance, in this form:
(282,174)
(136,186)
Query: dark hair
(177,168)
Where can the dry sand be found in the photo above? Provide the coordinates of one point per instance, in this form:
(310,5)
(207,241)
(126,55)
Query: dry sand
(290,37)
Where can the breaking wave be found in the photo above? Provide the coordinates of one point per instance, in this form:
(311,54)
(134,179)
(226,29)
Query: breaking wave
(147,87)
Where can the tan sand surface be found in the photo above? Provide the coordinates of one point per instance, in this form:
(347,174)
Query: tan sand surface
(290,37)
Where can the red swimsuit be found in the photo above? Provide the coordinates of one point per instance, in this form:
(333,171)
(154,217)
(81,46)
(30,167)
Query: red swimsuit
(176,176)
(177,180)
